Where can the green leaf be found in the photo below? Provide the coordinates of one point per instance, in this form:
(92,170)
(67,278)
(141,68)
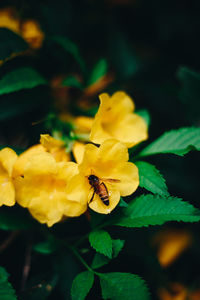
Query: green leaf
(151,179)
(13,219)
(117,247)
(101,260)
(100,69)
(6,290)
(10,43)
(82,285)
(126,286)
(71,48)
(46,247)
(101,241)
(178,142)
(23,78)
(122,203)
(155,210)
(145,115)
(71,81)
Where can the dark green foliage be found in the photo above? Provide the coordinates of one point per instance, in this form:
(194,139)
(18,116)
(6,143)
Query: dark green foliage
(10,43)
(13,219)
(99,70)
(82,285)
(155,210)
(72,82)
(101,260)
(23,78)
(117,286)
(151,179)
(101,241)
(6,290)
(179,142)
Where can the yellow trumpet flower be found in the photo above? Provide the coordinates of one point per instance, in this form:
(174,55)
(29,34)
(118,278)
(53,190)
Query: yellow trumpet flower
(116,119)
(117,177)
(42,189)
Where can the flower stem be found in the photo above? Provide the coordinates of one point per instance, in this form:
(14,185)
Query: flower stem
(75,252)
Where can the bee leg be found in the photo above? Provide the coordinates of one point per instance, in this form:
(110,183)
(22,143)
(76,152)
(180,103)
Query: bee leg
(92,198)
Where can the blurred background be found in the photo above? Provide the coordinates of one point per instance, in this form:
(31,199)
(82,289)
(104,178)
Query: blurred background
(151,50)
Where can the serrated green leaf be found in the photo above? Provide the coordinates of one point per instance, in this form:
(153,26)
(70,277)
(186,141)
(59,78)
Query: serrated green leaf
(10,43)
(99,70)
(155,210)
(100,260)
(101,241)
(145,115)
(179,142)
(71,48)
(117,286)
(23,78)
(6,290)
(151,179)
(71,81)
(82,285)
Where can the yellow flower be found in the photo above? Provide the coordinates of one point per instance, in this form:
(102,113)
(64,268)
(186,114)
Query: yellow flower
(55,147)
(42,189)
(7,160)
(83,124)
(31,32)
(8,20)
(115,119)
(48,144)
(109,163)
(78,151)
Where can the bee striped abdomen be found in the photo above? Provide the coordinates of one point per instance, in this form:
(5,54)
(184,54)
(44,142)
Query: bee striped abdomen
(104,197)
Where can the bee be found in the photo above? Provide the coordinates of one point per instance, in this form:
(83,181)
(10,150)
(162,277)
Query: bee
(100,188)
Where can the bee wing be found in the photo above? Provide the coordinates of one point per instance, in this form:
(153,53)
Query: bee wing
(110,180)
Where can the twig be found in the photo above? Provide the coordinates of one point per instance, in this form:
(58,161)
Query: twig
(6,243)
(27,265)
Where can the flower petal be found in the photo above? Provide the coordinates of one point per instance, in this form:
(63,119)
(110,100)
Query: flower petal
(98,205)
(25,157)
(8,158)
(74,209)
(128,176)
(89,159)
(83,124)
(77,189)
(113,150)
(45,211)
(7,195)
(78,151)
(66,170)
(49,142)
(42,163)
(98,135)
(130,130)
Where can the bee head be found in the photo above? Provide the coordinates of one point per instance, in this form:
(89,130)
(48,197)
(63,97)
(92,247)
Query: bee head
(93,178)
